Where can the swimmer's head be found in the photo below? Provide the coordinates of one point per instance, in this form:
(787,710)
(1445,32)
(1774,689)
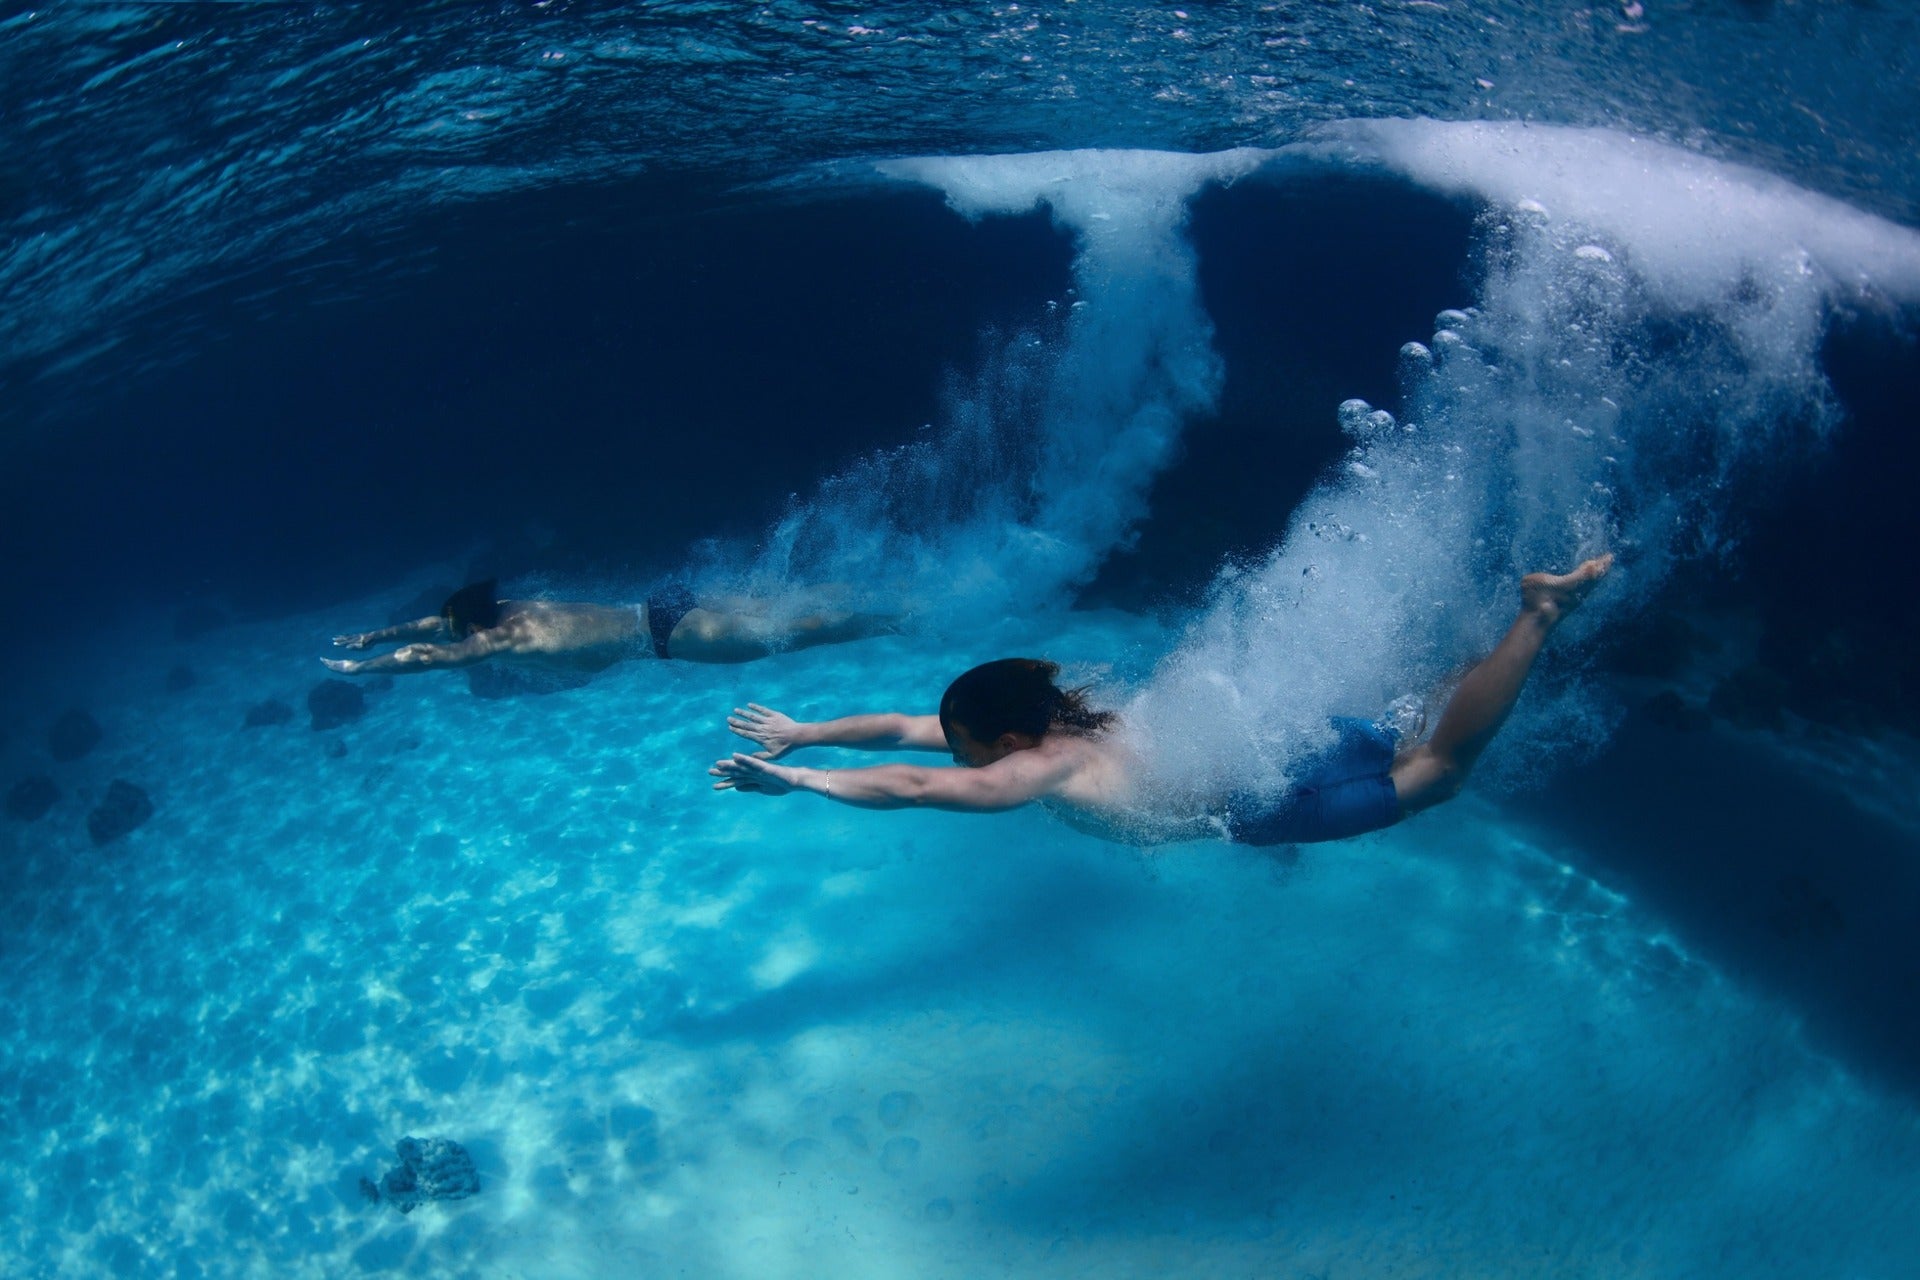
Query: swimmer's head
(472,608)
(1009,704)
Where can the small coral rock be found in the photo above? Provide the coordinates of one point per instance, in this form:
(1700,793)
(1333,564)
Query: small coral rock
(429,1169)
(124,808)
(32,797)
(333,703)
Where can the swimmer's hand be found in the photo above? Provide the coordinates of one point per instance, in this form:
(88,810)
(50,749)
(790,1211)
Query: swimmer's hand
(742,772)
(345,666)
(358,641)
(773,730)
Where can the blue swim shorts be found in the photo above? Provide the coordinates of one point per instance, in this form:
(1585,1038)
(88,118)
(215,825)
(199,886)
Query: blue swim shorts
(1344,790)
(665,608)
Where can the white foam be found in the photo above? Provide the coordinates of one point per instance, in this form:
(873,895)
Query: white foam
(1646,336)
(1693,224)
(1043,462)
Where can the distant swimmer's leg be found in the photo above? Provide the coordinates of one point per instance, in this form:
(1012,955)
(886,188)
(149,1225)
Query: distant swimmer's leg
(712,635)
(1426,774)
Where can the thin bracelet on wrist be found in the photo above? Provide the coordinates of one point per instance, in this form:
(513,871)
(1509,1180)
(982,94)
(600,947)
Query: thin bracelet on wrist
(826,783)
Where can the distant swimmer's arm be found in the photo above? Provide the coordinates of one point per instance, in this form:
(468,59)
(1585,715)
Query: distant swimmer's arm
(1005,784)
(411,658)
(779,733)
(418,629)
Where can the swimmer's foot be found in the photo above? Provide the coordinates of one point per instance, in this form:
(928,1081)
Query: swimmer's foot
(1552,596)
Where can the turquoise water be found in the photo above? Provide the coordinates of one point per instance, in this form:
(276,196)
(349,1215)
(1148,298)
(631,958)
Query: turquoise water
(1239,358)
(732,1036)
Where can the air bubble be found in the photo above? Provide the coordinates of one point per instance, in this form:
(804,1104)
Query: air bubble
(1353,417)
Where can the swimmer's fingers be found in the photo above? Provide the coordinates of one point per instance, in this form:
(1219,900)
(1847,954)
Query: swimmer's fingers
(752,733)
(350,642)
(733,780)
(765,726)
(751,773)
(344,666)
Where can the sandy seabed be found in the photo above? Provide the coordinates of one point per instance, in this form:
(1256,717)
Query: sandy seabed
(720,1035)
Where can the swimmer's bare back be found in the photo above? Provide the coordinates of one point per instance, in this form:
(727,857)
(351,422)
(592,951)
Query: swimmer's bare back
(545,633)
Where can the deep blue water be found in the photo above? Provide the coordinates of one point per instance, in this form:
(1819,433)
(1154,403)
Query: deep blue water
(305,310)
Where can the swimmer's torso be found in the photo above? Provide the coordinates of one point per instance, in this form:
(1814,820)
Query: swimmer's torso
(1103,796)
(578,637)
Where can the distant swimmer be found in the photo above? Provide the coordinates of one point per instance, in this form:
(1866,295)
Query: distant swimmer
(473,626)
(1024,739)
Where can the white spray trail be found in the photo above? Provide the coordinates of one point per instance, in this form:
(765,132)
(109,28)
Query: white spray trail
(1647,335)
(1042,466)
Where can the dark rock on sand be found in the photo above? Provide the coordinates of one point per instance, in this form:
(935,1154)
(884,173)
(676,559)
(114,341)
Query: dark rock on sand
(32,797)
(333,703)
(73,735)
(124,808)
(429,1169)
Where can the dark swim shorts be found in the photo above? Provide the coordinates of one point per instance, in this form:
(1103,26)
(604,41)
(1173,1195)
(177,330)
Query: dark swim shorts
(1343,790)
(665,608)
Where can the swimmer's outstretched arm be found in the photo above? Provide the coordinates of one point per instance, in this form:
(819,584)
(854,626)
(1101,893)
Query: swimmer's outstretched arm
(418,629)
(779,733)
(412,658)
(1005,784)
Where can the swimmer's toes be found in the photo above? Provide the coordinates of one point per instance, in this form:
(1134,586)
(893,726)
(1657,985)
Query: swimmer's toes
(1556,594)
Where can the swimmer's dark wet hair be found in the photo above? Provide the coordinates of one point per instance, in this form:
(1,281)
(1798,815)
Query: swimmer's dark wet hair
(1017,695)
(471,608)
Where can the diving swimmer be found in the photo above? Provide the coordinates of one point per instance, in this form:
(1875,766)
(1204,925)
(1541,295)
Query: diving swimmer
(473,626)
(1024,739)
